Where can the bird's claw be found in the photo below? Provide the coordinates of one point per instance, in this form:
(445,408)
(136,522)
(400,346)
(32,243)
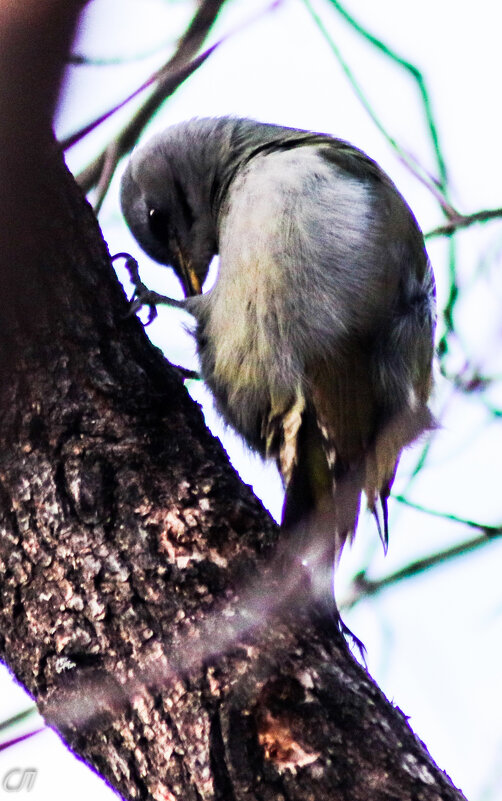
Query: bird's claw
(142,296)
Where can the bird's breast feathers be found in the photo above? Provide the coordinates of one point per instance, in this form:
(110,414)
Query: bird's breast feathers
(290,230)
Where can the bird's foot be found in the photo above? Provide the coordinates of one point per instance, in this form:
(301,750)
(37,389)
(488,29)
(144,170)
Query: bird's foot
(351,638)
(142,296)
(327,611)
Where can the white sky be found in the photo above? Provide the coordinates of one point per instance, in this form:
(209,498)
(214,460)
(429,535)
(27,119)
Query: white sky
(434,643)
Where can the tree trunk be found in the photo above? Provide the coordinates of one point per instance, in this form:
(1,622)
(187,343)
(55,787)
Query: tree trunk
(135,567)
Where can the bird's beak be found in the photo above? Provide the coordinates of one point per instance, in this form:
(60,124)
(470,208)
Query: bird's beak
(189,278)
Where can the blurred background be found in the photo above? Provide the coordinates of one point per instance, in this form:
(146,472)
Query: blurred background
(415,86)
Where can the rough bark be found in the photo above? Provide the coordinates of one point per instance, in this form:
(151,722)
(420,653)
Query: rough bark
(126,539)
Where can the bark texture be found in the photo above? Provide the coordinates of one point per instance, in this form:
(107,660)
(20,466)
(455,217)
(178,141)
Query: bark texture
(132,558)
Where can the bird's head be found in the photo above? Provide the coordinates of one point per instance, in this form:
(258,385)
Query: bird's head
(169,212)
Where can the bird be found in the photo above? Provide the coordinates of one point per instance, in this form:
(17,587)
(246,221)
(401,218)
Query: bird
(317,337)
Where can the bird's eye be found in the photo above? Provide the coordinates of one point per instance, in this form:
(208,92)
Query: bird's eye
(158,222)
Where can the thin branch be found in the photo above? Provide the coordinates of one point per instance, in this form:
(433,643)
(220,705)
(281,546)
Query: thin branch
(81,60)
(363,587)
(432,185)
(177,77)
(436,187)
(354,83)
(20,739)
(463,221)
(18,718)
(488,531)
(168,79)
(417,77)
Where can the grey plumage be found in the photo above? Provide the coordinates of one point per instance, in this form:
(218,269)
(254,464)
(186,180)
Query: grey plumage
(317,337)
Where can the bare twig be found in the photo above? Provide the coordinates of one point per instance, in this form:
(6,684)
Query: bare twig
(431,183)
(363,587)
(417,76)
(488,531)
(436,187)
(463,221)
(81,60)
(174,72)
(182,64)
(18,718)
(20,739)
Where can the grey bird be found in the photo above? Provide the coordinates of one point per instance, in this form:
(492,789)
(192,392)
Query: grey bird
(316,339)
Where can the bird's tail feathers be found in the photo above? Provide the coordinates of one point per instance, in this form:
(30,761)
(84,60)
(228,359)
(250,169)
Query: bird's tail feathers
(321,484)
(382,459)
(321,493)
